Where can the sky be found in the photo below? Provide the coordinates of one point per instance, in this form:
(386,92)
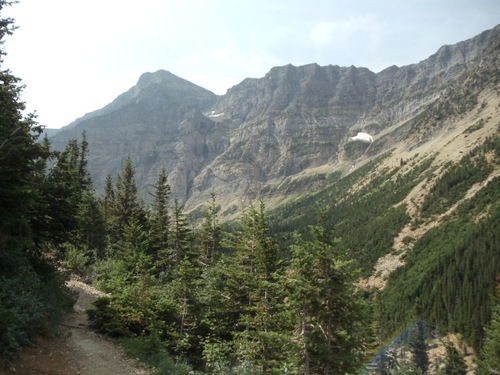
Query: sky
(76,56)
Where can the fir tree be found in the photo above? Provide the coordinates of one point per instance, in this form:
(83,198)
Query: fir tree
(127,207)
(418,348)
(489,363)
(454,361)
(159,219)
(108,201)
(210,235)
(255,287)
(181,236)
(29,283)
(329,315)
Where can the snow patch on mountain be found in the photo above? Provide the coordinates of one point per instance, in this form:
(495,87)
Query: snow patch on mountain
(363,137)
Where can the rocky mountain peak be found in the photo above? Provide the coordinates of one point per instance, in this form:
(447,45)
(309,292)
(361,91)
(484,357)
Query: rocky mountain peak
(175,88)
(263,130)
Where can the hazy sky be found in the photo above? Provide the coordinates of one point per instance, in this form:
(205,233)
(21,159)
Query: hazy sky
(76,56)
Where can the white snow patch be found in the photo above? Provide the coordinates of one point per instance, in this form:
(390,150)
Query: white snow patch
(363,137)
(213,114)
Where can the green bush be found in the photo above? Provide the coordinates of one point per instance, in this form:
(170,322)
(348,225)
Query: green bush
(76,259)
(33,298)
(157,358)
(105,318)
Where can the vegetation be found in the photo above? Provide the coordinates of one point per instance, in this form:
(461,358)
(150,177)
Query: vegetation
(221,301)
(34,218)
(451,270)
(271,294)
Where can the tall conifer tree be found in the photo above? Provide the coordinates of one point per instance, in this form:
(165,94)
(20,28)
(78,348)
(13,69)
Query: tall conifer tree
(210,235)
(159,219)
(329,316)
(253,275)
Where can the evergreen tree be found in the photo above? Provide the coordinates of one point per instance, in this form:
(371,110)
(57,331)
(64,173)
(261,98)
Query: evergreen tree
(91,231)
(405,366)
(32,292)
(330,316)
(181,236)
(489,363)
(159,219)
(418,348)
(211,232)
(62,190)
(454,362)
(127,207)
(301,289)
(108,202)
(252,274)
(183,292)
(19,153)
(133,251)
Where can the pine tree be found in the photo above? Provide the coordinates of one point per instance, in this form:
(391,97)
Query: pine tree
(91,231)
(489,363)
(329,316)
(63,190)
(29,283)
(108,201)
(181,236)
(418,348)
(252,273)
(454,361)
(133,251)
(210,235)
(19,152)
(159,219)
(183,292)
(302,289)
(127,207)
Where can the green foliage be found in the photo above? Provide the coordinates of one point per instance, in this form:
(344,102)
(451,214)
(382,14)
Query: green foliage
(454,361)
(366,220)
(32,299)
(159,221)
(154,357)
(328,315)
(489,362)
(451,271)
(418,349)
(32,292)
(252,275)
(211,233)
(476,126)
(455,182)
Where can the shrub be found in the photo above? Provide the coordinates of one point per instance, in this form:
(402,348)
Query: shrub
(33,298)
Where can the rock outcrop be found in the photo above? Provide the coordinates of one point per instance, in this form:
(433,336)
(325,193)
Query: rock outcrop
(262,130)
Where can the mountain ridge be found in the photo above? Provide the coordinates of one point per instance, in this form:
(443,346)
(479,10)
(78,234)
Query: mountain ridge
(263,130)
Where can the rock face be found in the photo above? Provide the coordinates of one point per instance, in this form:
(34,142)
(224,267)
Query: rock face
(158,123)
(262,130)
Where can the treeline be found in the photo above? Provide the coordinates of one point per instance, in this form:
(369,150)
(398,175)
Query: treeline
(364,208)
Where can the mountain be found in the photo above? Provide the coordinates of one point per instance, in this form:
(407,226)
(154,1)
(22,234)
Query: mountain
(158,122)
(264,133)
(404,163)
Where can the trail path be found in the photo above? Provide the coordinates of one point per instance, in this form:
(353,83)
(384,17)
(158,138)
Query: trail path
(78,350)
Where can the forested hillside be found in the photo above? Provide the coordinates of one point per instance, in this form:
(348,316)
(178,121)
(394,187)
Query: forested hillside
(360,266)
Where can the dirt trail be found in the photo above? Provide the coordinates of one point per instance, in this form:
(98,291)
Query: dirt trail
(77,350)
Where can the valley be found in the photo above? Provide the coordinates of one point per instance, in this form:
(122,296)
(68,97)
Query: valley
(320,219)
